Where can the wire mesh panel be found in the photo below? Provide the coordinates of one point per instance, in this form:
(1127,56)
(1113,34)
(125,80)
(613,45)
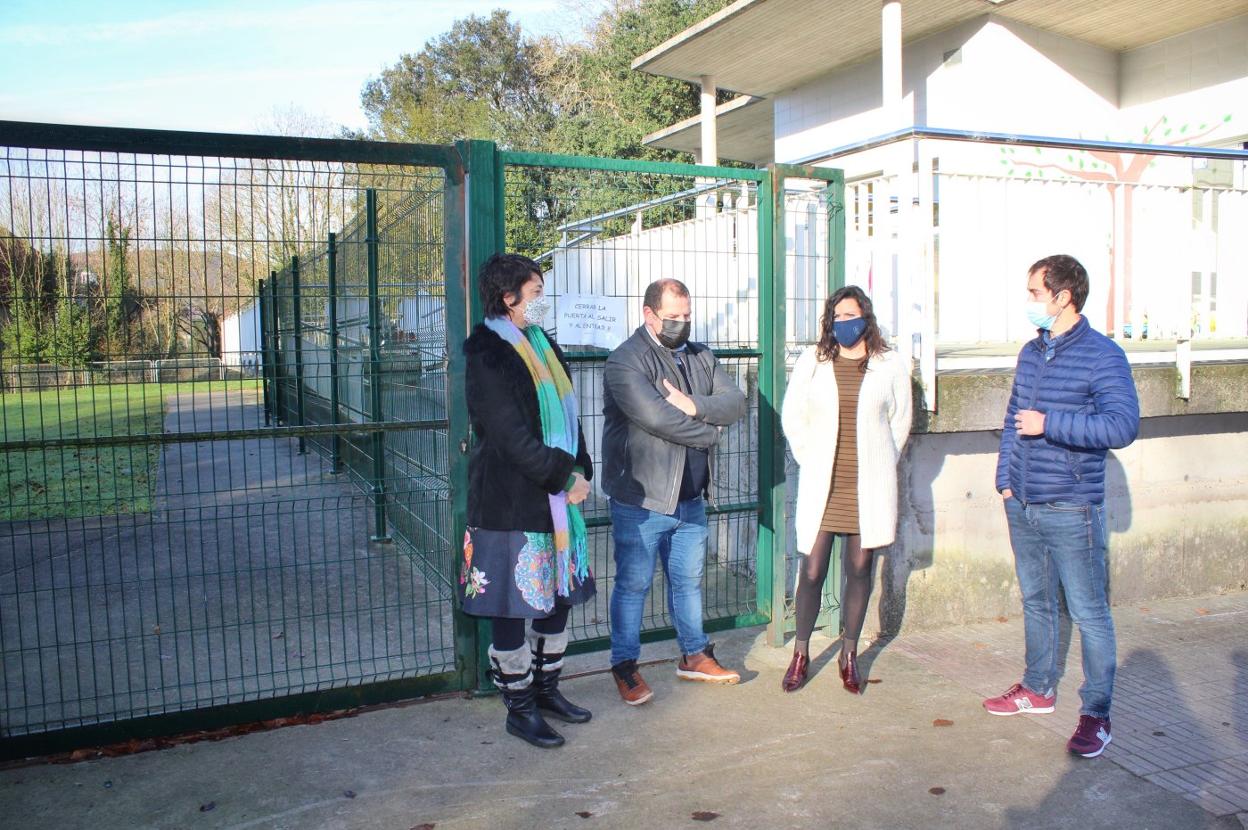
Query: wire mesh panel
(606,234)
(223,459)
(811,218)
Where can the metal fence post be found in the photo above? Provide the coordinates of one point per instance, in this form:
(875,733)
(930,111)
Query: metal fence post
(481,225)
(835,201)
(262,309)
(297,317)
(275,333)
(772,540)
(374,368)
(335,457)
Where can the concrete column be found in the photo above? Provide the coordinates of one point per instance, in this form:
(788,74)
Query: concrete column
(890,57)
(710,143)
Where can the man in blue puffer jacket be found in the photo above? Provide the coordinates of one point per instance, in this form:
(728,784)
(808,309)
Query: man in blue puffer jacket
(1073,400)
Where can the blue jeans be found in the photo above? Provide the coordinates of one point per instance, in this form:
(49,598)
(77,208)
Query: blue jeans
(641,536)
(1063,544)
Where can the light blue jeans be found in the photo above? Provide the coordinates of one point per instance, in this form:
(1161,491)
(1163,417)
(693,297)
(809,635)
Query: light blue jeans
(1062,545)
(641,537)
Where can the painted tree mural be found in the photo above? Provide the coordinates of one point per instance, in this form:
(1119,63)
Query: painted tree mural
(1119,172)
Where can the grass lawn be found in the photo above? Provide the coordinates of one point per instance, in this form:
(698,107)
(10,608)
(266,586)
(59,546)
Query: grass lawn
(60,482)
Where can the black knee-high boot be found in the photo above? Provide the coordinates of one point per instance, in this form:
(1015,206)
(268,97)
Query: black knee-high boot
(548,652)
(513,675)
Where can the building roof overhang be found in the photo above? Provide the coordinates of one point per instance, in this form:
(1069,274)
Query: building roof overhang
(761,47)
(745,128)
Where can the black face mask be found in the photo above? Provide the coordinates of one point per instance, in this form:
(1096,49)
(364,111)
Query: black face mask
(675,333)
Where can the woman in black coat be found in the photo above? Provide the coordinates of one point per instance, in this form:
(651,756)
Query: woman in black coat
(526,559)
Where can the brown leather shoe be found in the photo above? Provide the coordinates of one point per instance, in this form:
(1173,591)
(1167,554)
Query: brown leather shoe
(848,664)
(795,677)
(633,690)
(704,668)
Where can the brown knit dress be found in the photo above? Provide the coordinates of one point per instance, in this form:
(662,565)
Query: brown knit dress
(841,513)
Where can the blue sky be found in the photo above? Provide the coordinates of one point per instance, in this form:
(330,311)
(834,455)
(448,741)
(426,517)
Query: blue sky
(218,65)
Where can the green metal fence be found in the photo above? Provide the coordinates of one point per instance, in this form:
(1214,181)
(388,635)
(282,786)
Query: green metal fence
(227,482)
(234,436)
(808,216)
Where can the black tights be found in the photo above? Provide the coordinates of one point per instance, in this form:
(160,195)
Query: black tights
(508,632)
(814,570)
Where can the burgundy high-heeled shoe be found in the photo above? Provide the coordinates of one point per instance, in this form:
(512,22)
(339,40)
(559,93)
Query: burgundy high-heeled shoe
(848,664)
(795,677)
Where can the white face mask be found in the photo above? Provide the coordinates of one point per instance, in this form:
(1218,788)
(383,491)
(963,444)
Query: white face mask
(536,310)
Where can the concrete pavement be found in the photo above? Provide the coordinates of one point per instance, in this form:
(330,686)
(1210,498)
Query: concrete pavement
(728,756)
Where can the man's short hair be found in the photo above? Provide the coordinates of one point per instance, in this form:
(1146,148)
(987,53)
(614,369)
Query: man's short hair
(1064,273)
(653,298)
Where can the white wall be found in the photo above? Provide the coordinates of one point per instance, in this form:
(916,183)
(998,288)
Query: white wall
(240,337)
(716,256)
(1012,78)
(1202,74)
(1005,77)
(1016,79)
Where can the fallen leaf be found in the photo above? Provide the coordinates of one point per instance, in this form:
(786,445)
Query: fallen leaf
(937,791)
(155,629)
(1202,611)
(1003,619)
(1145,608)
(584,813)
(942,722)
(349,793)
(208,808)
(874,680)
(980,646)
(704,815)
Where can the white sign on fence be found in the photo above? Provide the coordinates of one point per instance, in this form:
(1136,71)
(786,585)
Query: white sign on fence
(591,320)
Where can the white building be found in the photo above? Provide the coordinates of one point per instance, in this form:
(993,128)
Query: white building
(240,338)
(942,220)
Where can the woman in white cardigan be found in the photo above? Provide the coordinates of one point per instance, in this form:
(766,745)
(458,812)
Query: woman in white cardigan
(847,416)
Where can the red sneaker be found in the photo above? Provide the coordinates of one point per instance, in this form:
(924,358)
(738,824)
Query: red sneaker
(1019,700)
(1091,737)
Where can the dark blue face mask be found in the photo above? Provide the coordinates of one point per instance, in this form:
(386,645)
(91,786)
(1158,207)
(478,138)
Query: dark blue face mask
(849,332)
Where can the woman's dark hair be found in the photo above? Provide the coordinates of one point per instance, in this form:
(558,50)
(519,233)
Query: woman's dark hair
(504,274)
(828,347)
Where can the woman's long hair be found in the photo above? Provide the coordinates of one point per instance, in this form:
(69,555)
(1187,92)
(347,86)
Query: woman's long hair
(828,347)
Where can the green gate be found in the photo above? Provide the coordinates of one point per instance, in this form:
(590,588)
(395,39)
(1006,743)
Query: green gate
(234,440)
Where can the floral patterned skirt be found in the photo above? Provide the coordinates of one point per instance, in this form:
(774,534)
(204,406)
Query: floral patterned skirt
(511,573)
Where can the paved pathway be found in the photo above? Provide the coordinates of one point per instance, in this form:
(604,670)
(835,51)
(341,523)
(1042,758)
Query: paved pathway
(915,751)
(1180,715)
(253,575)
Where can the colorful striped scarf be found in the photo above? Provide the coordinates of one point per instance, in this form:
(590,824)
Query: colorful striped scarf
(560,429)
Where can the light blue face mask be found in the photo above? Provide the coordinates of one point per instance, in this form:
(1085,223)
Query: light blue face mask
(1038,314)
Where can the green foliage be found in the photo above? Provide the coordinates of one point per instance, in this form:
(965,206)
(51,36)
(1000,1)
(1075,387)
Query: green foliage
(605,106)
(486,79)
(23,338)
(71,340)
(28,291)
(120,301)
(476,81)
